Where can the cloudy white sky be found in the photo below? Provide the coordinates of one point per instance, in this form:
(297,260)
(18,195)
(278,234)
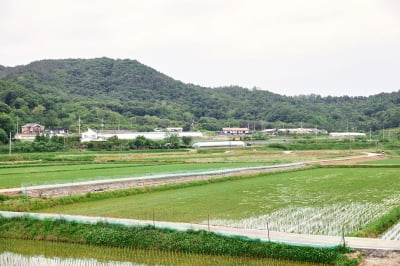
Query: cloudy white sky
(340,47)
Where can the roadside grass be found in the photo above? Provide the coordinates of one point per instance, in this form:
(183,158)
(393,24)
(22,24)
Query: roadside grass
(32,175)
(139,256)
(344,195)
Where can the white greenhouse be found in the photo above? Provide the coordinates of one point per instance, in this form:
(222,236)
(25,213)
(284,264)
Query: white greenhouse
(210,144)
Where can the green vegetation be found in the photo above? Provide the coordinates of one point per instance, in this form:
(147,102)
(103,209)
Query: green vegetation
(22,203)
(324,144)
(200,242)
(385,161)
(48,174)
(54,167)
(130,95)
(250,197)
(379,226)
(138,256)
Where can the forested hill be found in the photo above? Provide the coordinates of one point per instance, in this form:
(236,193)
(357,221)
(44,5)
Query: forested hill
(132,95)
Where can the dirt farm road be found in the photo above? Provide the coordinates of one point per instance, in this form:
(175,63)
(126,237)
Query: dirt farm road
(300,239)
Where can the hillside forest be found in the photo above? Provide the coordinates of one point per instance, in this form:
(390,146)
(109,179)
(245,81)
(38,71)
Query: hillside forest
(126,94)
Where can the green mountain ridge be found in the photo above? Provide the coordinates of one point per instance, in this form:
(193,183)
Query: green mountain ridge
(131,95)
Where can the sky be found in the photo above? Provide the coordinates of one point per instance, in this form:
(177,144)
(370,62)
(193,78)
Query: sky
(291,47)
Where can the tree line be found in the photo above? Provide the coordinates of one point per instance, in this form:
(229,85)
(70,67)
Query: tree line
(126,94)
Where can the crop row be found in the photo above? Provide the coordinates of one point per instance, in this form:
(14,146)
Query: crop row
(8,258)
(393,233)
(26,252)
(334,219)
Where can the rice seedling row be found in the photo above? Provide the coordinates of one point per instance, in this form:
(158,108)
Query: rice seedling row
(393,233)
(319,201)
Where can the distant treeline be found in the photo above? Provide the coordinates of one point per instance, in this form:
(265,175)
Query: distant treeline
(55,143)
(126,94)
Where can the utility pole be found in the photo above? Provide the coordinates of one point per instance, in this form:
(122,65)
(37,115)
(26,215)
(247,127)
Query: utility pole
(9,149)
(370,134)
(79,127)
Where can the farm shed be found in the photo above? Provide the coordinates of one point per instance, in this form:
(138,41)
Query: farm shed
(210,144)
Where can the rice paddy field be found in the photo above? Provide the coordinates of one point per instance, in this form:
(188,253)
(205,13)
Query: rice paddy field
(391,161)
(29,252)
(328,201)
(48,168)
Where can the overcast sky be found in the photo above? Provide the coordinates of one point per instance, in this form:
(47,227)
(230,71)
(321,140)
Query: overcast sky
(292,47)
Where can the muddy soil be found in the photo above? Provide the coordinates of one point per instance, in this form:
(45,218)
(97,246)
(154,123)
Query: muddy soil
(380,257)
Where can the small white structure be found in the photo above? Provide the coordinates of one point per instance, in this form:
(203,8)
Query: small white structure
(235,130)
(210,144)
(269,131)
(302,130)
(92,135)
(346,134)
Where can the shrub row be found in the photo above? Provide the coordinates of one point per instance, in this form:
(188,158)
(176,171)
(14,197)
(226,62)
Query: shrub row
(201,242)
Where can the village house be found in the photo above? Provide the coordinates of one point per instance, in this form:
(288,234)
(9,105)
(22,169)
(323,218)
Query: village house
(32,129)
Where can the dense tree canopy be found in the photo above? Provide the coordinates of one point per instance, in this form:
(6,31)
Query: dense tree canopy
(129,95)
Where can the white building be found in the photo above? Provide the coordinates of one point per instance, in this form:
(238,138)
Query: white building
(302,130)
(92,135)
(346,134)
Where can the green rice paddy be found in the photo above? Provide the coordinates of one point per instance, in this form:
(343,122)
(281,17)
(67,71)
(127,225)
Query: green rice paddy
(386,161)
(72,254)
(267,193)
(15,176)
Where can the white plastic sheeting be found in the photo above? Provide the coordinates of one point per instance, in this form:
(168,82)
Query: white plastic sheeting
(209,144)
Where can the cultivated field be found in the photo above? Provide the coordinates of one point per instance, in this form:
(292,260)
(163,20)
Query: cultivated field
(52,174)
(316,201)
(28,252)
(386,161)
(35,169)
